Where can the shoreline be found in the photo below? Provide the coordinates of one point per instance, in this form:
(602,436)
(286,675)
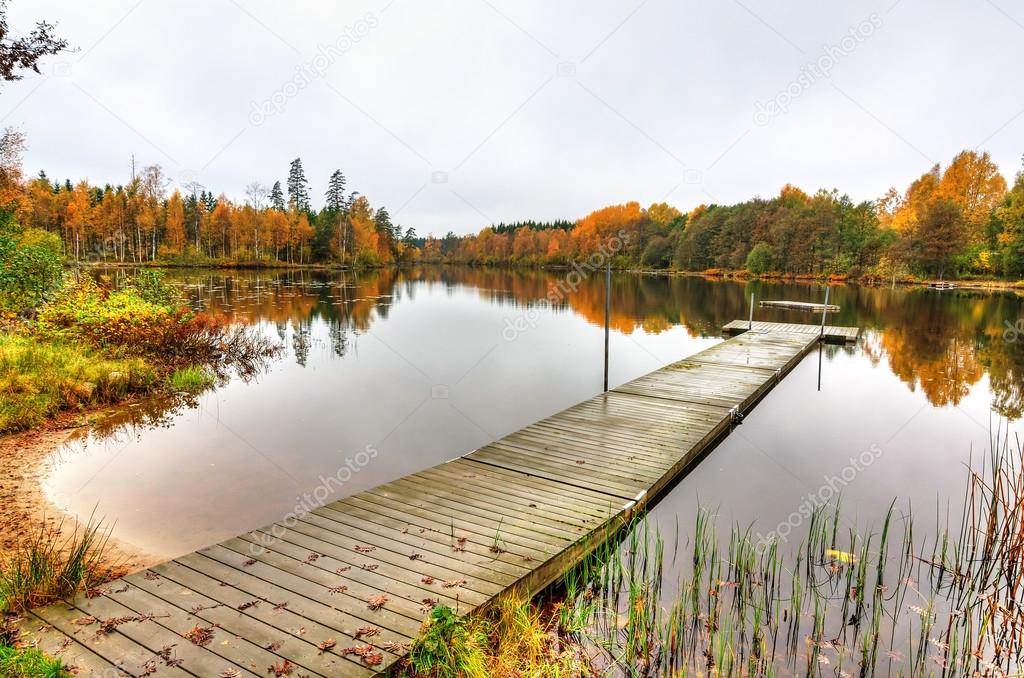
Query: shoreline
(723,276)
(741,277)
(25,461)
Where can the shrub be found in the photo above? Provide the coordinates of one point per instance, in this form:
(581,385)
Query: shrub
(151,287)
(760,259)
(515,638)
(448,647)
(83,310)
(30,268)
(367,259)
(127,321)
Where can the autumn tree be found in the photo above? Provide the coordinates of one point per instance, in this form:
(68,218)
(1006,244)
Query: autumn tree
(364,231)
(12,148)
(974,183)
(174,225)
(939,234)
(257,194)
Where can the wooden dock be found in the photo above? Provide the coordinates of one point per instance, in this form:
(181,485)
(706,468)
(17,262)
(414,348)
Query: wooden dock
(342,590)
(831,334)
(801,306)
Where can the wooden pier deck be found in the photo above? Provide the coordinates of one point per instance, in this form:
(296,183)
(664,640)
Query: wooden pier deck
(342,590)
(831,334)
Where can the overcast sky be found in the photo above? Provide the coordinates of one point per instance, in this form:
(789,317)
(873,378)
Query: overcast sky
(460,113)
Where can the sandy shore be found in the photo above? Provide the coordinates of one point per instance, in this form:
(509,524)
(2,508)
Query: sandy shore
(25,509)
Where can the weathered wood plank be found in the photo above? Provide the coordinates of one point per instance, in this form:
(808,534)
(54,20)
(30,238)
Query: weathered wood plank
(831,333)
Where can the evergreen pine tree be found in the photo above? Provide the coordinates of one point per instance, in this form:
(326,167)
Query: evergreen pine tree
(277,197)
(336,192)
(298,187)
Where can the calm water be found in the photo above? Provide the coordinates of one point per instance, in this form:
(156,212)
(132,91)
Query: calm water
(424,365)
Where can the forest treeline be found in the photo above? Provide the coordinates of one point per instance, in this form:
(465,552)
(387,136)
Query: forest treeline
(961,220)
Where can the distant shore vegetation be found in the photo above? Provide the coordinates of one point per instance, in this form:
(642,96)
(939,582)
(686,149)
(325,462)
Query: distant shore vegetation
(960,221)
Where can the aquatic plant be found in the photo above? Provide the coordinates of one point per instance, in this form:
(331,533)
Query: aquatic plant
(879,601)
(191,379)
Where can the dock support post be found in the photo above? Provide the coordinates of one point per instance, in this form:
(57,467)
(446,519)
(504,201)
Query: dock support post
(607,313)
(750,323)
(824,311)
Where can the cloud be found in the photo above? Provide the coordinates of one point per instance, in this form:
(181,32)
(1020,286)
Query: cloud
(532,110)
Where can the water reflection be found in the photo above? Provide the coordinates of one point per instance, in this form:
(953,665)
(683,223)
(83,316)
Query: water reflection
(415,363)
(940,342)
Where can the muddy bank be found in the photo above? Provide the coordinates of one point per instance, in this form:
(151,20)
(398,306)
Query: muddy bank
(25,460)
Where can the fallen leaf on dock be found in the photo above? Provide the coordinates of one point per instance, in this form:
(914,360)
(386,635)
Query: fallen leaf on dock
(367,632)
(282,669)
(200,635)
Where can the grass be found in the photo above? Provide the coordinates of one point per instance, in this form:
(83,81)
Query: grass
(40,378)
(517,638)
(192,379)
(29,663)
(50,567)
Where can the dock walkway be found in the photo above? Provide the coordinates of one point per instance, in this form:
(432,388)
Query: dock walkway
(342,590)
(831,334)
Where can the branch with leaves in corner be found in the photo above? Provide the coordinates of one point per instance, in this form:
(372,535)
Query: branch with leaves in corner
(20,52)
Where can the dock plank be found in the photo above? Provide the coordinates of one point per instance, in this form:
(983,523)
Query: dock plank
(831,333)
(512,514)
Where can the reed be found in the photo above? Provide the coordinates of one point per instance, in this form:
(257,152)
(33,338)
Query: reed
(889,600)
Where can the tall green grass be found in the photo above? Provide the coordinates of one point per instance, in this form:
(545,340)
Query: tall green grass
(29,663)
(50,567)
(39,378)
(192,379)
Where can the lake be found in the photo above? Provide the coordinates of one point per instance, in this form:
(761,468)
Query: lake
(388,372)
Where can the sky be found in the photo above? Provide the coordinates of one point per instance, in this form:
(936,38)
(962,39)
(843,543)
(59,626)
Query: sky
(462,113)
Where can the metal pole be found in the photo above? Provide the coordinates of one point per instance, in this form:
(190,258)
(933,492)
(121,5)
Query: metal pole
(819,366)
(824,311)
(750,323)
(607,312)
